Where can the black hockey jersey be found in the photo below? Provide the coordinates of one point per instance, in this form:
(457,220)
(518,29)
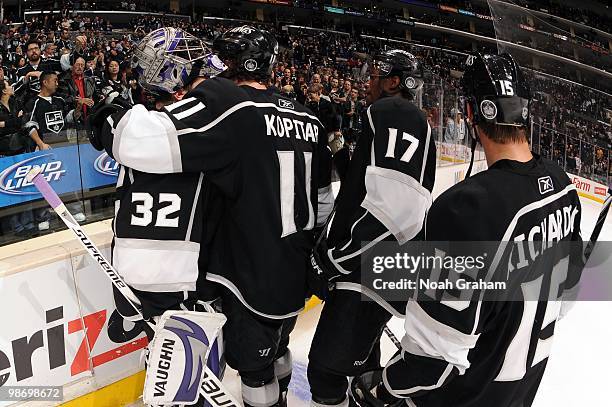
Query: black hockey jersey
(26,89)
(487,352)
(260,151)
(158,229)
(50,116)
(387,190)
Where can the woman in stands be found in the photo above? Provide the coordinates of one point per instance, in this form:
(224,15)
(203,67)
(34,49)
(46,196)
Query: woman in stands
(12,143)
(10,122)
(115,88)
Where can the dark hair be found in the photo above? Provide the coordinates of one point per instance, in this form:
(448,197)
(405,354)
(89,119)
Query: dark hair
(45,75)
(32,41)
(3,85)
(504,134)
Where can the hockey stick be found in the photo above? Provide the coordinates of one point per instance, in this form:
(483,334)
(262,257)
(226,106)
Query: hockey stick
(212,389)
(598,225)
(393,338)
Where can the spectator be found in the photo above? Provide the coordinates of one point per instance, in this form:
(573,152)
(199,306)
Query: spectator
(75,85)
(11,138)
(28,83)
(115,88)
(48,119)
(323,109)
(12,142)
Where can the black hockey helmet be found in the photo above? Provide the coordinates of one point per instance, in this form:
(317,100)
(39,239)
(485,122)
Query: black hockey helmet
(496,91)
(397,62)
(247,50)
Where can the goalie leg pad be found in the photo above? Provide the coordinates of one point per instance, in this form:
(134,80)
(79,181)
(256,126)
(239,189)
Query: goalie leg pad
(177,356)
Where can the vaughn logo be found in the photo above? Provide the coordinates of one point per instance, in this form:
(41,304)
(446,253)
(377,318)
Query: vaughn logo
(163,366)
(13,179)
(105,165)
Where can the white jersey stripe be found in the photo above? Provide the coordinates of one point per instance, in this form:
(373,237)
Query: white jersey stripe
(239,106)
(179,103)
(426,153)
(191,111)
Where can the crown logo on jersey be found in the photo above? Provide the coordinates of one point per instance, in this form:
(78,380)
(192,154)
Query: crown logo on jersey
(545,184)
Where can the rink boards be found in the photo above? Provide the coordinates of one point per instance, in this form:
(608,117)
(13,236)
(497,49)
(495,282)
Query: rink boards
(59,324)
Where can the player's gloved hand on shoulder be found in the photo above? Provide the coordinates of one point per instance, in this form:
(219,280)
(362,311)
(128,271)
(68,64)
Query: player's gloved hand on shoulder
(323,273)
(368,390)
(95,122)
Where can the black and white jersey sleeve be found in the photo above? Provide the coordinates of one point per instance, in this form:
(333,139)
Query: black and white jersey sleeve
(387,190)
(492,349)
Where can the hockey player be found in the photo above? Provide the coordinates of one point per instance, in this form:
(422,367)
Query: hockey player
(384,197)
(260,150)
(158,223)
(159,226)
(486,352)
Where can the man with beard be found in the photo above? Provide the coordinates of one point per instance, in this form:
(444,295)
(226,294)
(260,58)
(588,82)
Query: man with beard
(28,76)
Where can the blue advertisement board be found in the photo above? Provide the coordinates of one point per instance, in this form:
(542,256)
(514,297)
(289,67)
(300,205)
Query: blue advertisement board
(62,169)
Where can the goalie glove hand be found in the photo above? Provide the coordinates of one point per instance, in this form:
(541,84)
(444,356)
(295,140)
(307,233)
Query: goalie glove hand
(95,122)
(368,390)
(322,274)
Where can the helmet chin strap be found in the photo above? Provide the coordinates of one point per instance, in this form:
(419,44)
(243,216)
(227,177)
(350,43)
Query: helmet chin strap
(474,143)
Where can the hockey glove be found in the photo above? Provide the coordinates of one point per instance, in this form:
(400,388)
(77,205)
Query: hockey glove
(368,390)
(323,273)
(95,122)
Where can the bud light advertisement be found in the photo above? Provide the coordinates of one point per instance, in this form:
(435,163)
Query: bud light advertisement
(60,167)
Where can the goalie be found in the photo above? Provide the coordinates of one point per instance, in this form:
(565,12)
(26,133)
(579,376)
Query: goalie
(160,230)
(261,152)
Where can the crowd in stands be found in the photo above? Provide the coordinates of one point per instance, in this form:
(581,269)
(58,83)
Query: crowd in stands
(565,10)
(327,71)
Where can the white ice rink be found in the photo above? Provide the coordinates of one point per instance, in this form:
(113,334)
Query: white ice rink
(578,372)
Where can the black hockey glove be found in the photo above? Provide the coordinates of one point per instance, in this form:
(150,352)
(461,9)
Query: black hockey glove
(368,390)
(95,122)
(323,273)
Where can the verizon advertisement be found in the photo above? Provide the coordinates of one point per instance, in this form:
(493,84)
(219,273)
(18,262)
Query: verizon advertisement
(59,325)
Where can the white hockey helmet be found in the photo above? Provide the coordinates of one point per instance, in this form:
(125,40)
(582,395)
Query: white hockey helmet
(167,59)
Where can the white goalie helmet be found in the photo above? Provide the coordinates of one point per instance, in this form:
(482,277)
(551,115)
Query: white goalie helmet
(169,58)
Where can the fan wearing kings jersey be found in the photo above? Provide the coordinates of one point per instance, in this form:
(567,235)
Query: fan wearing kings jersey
(260,151)
(384,197)
(491,349)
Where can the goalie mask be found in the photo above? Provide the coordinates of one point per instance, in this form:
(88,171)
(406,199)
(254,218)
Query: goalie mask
(496,91)
(168,59)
